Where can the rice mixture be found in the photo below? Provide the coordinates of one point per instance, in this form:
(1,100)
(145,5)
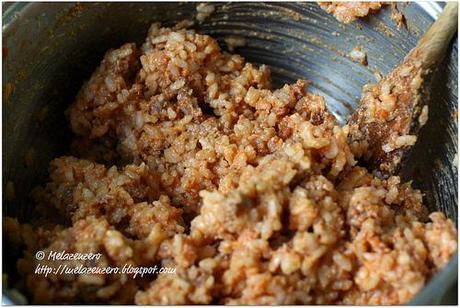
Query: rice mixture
(349,11)
(184,157)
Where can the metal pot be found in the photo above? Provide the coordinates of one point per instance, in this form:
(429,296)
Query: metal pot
(49,49)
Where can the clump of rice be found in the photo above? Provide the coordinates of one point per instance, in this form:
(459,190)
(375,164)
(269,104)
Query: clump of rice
(350,11)
(358,55)
(204,10)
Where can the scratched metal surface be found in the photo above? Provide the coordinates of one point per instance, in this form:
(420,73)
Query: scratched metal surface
(50,49)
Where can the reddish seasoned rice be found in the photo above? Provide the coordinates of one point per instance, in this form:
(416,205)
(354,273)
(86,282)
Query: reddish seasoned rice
(349,11)
(184,157)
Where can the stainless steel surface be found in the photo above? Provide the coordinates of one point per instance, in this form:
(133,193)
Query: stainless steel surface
(51,48)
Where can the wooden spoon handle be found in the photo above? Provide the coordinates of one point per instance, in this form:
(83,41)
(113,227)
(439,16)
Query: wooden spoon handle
(434,43)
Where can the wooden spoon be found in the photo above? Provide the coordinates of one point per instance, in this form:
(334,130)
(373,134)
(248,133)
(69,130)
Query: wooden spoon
(384,127)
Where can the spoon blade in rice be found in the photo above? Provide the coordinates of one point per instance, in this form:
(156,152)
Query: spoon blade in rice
(385,126)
